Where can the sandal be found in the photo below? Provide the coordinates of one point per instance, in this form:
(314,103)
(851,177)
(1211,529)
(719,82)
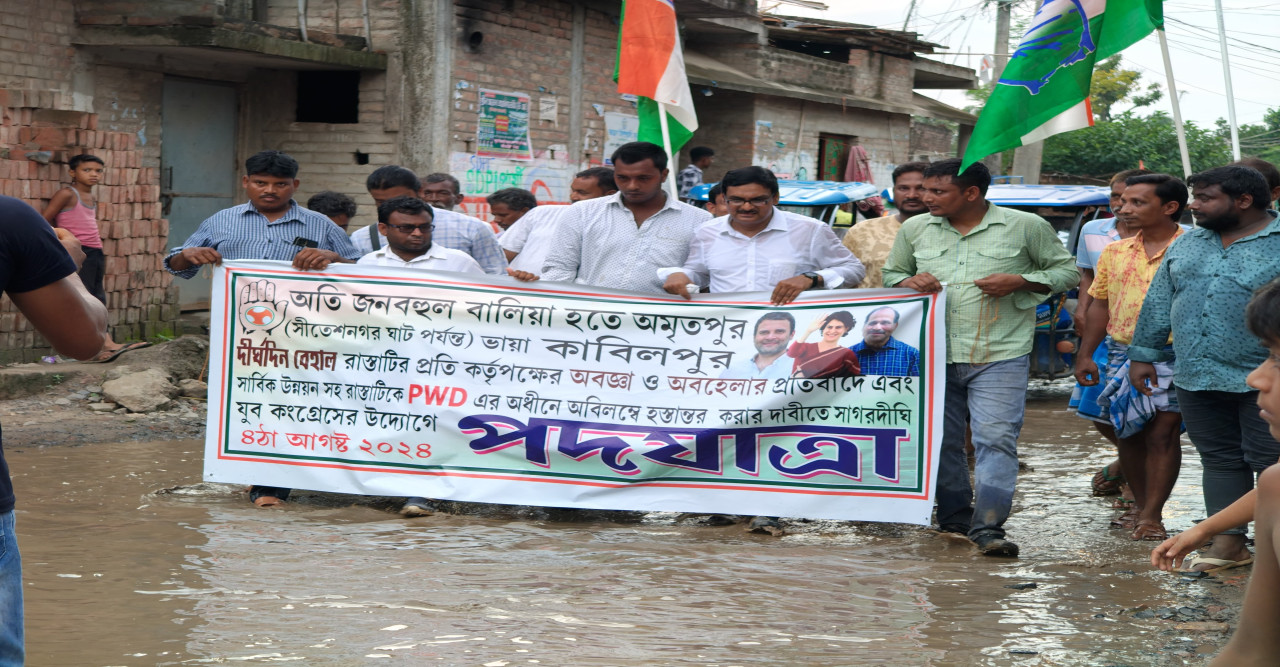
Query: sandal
(1127,520)
(1149,530)
(1121,503)
(1104,484)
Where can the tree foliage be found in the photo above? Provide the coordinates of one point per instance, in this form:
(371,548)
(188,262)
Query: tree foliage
(1127,139)
(1111,85)
(1260,140)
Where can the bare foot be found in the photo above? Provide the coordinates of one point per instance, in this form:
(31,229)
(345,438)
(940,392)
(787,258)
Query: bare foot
(268,501)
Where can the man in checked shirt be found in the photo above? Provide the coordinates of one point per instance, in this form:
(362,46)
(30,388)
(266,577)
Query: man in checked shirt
(997,264)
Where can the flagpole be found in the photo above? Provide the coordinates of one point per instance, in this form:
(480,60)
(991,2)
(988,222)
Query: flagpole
(1177,110)
(666,146)
(1226,75)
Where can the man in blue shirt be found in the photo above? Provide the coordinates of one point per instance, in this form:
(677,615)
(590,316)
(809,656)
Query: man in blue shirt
(880,353)
(1199,294)
(270,226)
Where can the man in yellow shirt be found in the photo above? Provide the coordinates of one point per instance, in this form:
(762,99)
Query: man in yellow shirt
(1147,426)
(871,240)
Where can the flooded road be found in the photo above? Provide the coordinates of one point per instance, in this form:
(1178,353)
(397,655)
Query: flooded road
(118,574)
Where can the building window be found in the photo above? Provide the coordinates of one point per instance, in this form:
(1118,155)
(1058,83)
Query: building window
(328,97)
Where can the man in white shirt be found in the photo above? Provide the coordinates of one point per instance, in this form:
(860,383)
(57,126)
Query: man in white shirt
(527,242)
(406,223)
(758,247)
(620,241)
(773,333)
(453,230)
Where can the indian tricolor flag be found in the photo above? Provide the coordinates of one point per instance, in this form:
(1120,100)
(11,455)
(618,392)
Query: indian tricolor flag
(1044,89)
(651,66)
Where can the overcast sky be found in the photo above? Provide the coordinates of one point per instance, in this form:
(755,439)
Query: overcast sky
(968,27)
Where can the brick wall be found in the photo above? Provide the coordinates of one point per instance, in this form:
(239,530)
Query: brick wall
(326,153)
(527,48)
(804,70)
(35,45)
(140,294)
(342,17)
(931,142)
(598,86)
(726,125)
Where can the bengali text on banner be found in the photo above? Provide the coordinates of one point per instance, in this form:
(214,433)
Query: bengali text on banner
(414,383)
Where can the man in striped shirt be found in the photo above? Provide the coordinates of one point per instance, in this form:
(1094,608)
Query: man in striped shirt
(453,230)
(270,226)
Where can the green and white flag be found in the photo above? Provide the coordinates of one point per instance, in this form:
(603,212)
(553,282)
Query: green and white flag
(1044,89)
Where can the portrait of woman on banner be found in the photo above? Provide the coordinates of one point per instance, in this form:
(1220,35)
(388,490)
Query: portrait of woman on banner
(828,357)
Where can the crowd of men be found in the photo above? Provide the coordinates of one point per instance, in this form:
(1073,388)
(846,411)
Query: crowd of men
(1162,344)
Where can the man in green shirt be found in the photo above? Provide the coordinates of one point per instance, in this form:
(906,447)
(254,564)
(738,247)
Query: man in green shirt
(996,264)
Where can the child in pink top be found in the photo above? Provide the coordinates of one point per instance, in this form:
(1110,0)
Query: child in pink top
(75,210)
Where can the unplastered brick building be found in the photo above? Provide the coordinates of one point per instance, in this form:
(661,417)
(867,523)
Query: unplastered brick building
(175,94)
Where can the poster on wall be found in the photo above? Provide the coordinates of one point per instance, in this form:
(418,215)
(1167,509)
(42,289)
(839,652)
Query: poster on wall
(619,128)
(398,382)
(503,125)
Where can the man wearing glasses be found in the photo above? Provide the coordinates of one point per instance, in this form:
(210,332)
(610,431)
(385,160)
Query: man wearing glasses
(406,222)
(758,247)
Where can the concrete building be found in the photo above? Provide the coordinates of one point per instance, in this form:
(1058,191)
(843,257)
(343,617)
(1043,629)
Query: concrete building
(175,94)
(795,94)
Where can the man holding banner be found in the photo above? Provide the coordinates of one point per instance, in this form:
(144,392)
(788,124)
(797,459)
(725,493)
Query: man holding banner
(760,248)
(997,264)
(271,226)
(621,241)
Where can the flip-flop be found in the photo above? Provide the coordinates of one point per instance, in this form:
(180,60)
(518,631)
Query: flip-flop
(119,351)
(1220,564)
(1104,484)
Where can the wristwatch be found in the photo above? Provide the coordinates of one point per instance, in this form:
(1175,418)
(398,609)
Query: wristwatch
(817,279)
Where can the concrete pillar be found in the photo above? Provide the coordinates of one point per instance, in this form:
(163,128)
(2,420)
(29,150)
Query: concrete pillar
(427,45)
(576,103)
(1026,162)
(963,134)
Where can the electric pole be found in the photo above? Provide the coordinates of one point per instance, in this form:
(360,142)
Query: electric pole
(1026,159)
(1004,11)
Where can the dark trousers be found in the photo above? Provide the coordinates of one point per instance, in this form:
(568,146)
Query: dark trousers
(93,271)
(1234,442)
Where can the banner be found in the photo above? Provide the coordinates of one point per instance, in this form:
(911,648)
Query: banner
(502,125)
(398,382)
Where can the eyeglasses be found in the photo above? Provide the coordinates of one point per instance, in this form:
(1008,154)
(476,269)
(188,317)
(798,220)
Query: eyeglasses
(739,201)
(409,229)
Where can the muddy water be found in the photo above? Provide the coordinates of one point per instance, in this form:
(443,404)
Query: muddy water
(120,575)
